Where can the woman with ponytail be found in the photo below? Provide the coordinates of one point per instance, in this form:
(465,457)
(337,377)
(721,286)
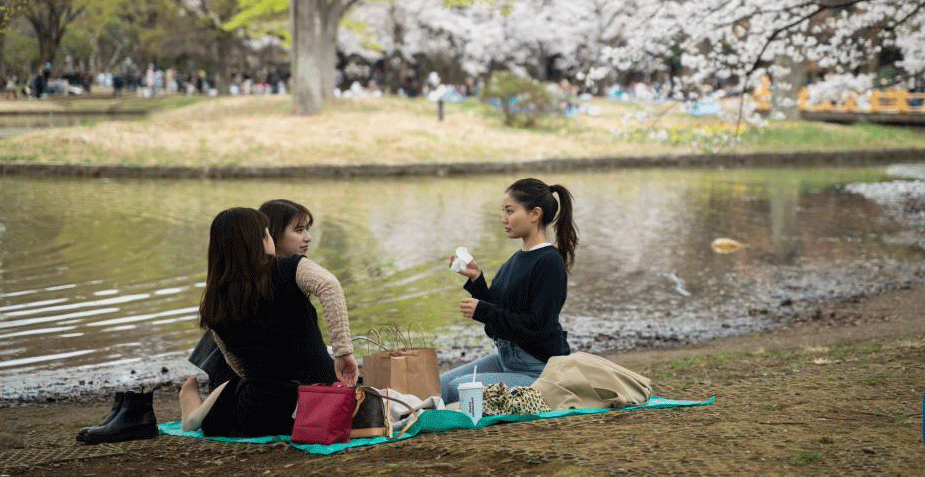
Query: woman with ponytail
(520,310)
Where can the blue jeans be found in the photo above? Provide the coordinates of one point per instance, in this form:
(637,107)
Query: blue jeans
(509,364)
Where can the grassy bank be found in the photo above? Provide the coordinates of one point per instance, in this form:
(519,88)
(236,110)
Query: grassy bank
(95,103)
(261,131)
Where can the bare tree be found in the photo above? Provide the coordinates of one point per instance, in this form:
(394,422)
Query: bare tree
(211,16)
(50,19)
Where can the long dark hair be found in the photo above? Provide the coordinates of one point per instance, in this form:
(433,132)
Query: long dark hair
(281,212)
(532,193)
(238,275)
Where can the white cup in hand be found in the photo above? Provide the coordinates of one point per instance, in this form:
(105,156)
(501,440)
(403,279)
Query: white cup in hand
(463,257)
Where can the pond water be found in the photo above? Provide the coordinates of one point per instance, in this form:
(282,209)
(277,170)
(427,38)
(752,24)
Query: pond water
(107,274)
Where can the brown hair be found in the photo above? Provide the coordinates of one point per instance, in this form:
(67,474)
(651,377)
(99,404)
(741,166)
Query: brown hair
(281,212)
(238,274)
(532,193)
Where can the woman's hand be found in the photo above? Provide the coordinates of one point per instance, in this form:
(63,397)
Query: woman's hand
(467,306)
(471,270)
(346,370)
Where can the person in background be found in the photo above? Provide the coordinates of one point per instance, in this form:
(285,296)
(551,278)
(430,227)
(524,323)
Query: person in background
(9,88)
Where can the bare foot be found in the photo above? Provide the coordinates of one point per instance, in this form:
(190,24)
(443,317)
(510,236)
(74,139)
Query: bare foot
(190,381)
(193,408)
(190,399)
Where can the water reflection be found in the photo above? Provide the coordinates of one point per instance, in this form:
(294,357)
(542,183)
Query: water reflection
(96,271)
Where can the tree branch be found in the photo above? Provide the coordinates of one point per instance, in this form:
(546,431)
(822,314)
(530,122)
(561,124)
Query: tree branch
(206,17)
(771,38)
(907,17)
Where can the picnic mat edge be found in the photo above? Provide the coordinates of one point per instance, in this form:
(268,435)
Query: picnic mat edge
(433,420)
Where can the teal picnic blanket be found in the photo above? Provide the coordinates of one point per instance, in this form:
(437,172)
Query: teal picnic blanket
(432,420)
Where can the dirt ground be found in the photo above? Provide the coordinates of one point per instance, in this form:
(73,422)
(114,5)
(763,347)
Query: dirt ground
(839,392)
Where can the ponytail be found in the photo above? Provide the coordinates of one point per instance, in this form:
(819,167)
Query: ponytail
(535,193)
(566,231)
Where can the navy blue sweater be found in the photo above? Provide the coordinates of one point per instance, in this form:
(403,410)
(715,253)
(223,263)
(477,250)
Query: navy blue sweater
(522,306)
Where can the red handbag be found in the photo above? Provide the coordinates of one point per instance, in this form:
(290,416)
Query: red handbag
(324,413)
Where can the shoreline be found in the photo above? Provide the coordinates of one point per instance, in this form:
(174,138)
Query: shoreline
(96,383)
(845,158)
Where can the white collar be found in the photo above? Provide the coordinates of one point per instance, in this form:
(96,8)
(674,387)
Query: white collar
(539,246)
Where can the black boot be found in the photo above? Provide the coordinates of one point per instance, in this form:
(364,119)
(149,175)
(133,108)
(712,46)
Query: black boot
(116,405)
(134,420)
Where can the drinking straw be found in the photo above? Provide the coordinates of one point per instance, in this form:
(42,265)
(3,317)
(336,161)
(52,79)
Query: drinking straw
(474,369)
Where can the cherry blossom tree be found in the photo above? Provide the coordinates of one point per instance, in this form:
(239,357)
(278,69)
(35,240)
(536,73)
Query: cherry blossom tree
(699,46)
(403,33)
(588,30)
(737,42)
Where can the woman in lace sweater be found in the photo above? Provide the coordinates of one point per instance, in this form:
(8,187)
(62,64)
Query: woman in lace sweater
(255,303)
(289,224)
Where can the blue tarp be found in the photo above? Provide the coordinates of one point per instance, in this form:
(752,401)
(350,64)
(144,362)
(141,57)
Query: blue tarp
(432,421)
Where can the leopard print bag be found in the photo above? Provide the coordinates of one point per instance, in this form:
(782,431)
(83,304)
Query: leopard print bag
(500,399)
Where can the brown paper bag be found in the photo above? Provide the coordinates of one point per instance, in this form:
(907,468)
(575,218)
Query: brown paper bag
(406,370)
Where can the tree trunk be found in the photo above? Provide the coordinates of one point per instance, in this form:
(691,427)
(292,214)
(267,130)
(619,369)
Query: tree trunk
(329,55)
(314,52)
(395,64)
(2,57)
(95,64)
(542,73)
(223,72)
(306,82)
(47,47)
(50,21)
(47,51)
(399,74)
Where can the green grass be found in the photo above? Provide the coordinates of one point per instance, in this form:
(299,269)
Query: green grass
(852,351)
(811,135)
(468,104)
(125,103)
(686,363)
(805,458)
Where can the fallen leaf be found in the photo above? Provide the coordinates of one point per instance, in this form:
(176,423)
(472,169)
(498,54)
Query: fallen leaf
(726,245)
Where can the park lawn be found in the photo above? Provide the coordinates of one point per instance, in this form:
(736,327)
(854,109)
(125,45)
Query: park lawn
(97,102)
(261,131)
